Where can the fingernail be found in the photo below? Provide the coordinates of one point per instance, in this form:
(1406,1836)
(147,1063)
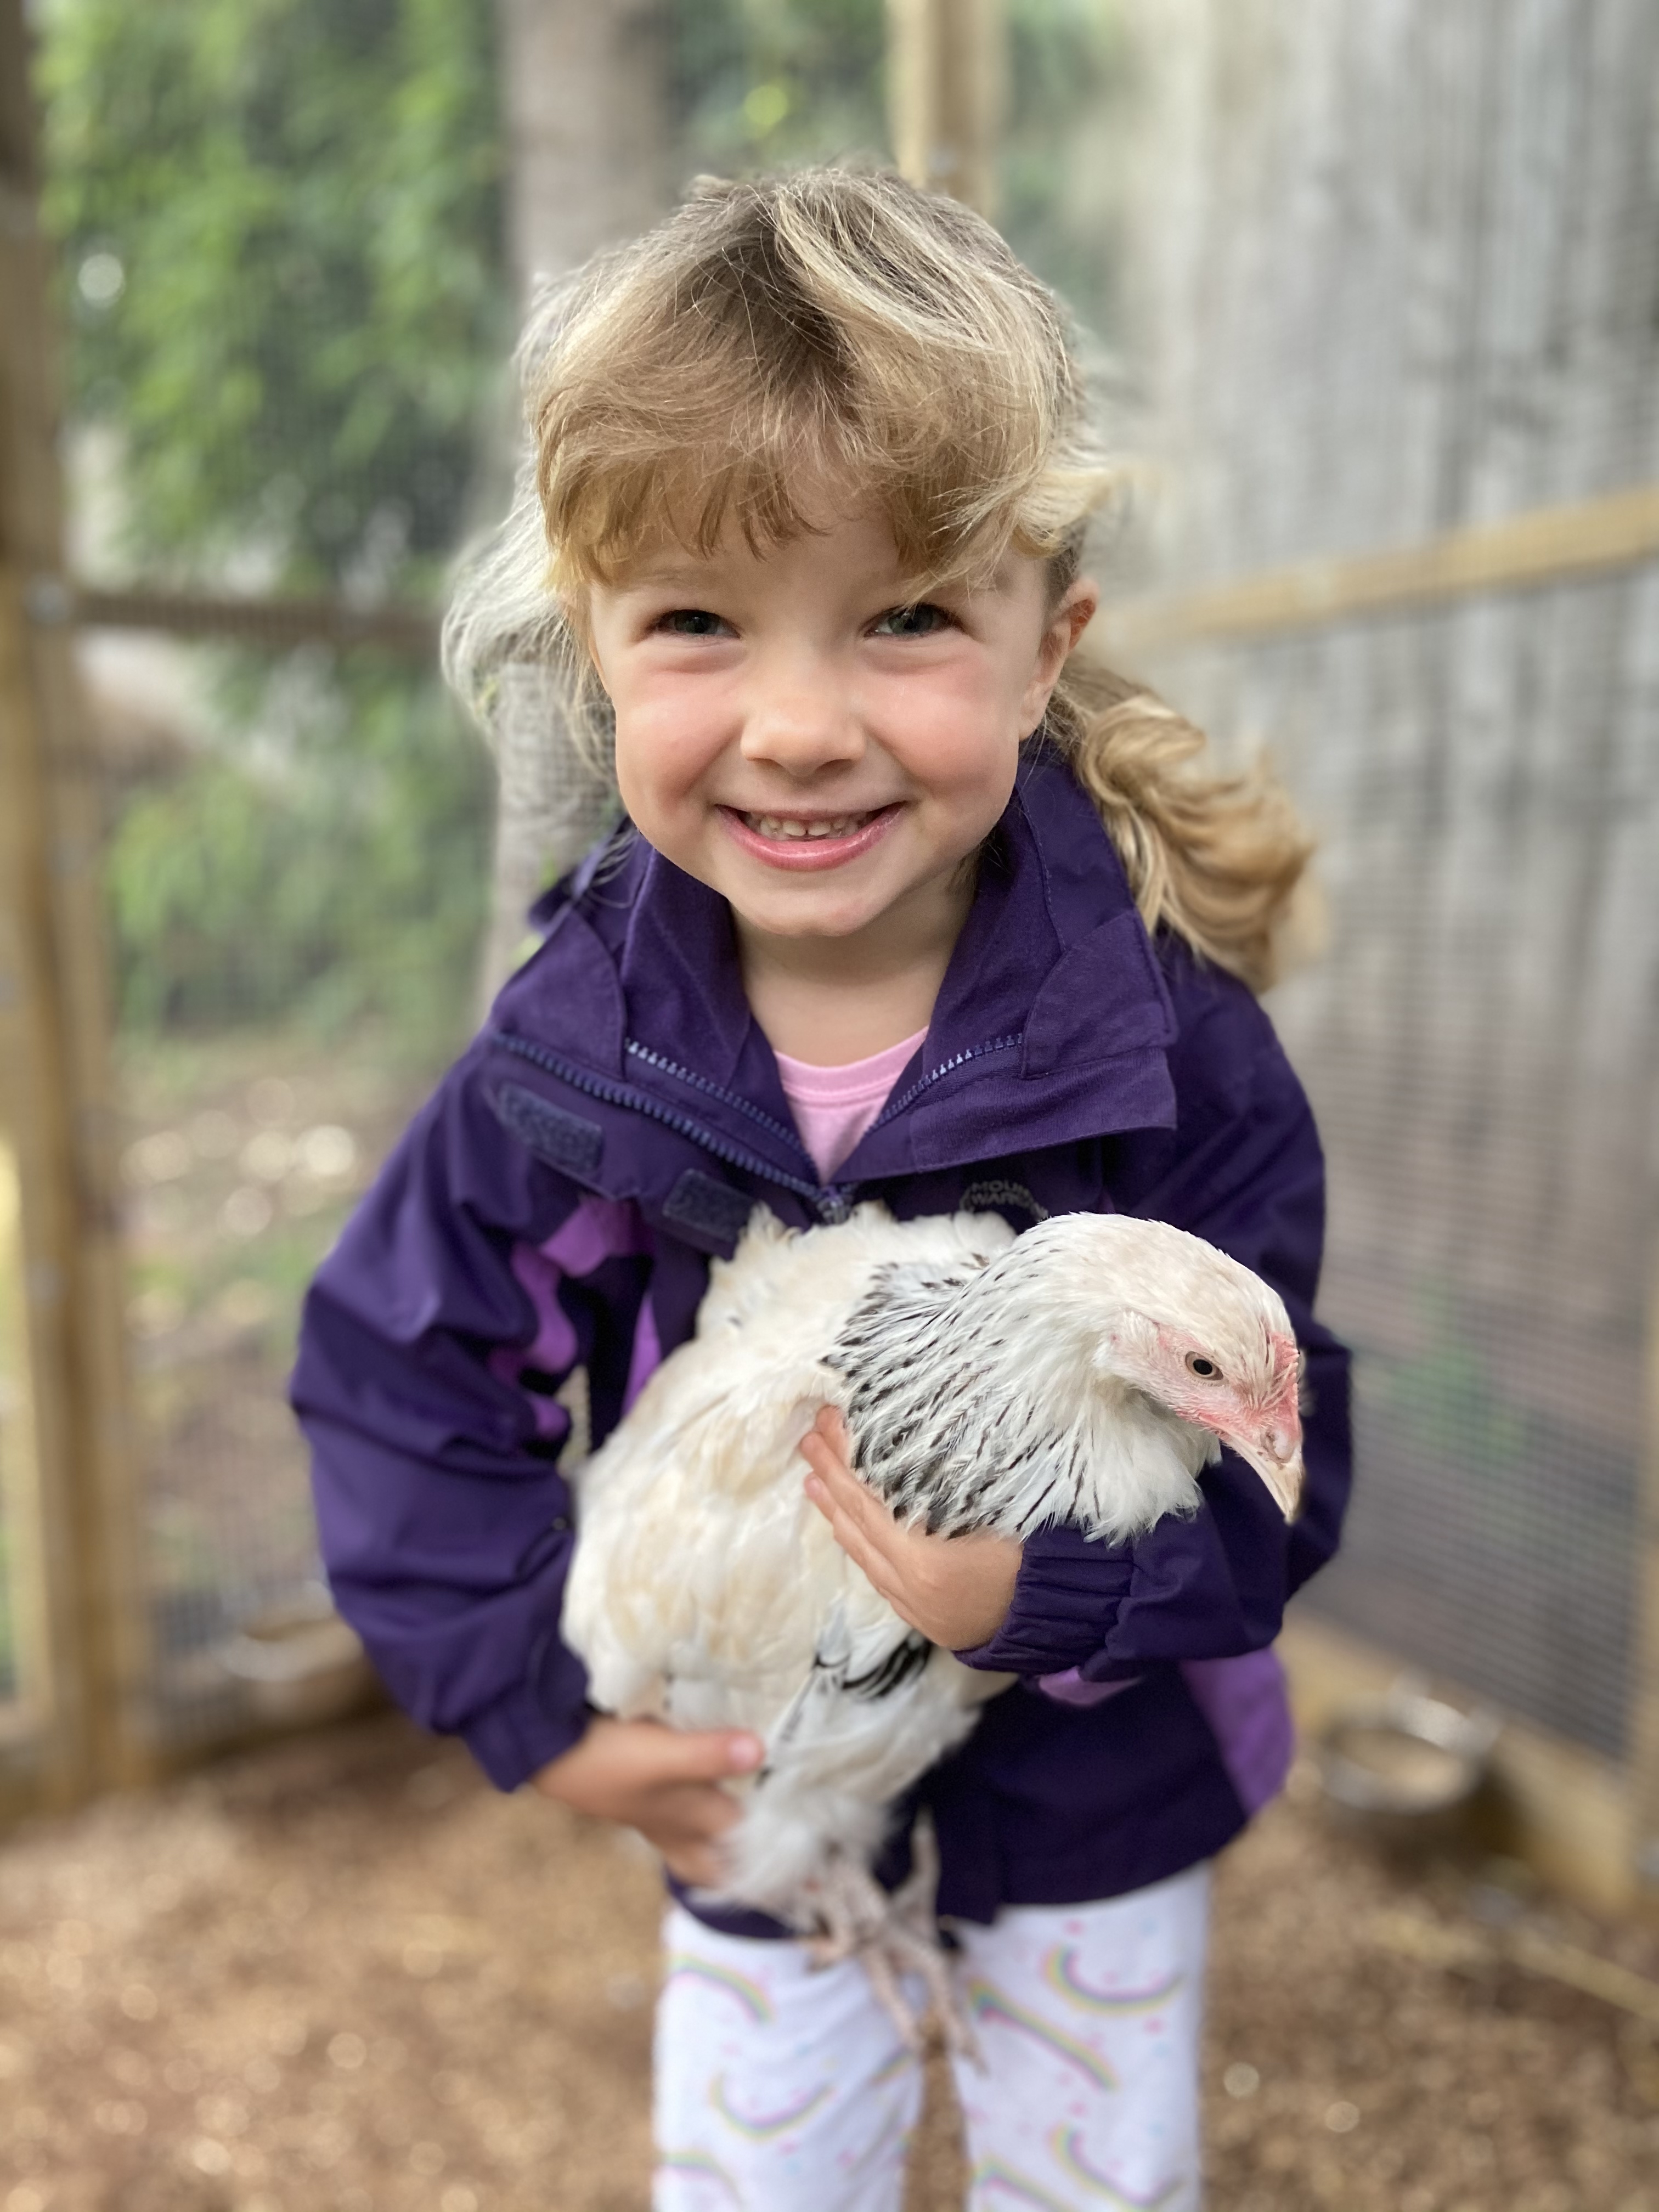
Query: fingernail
(747,1751)
(812,1486)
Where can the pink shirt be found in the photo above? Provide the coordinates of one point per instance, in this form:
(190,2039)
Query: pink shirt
(834,1106)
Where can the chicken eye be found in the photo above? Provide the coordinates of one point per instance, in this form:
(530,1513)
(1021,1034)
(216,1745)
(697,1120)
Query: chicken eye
(1205,1370)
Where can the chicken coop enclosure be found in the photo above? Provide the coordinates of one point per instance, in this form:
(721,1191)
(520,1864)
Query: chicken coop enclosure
(1374,293)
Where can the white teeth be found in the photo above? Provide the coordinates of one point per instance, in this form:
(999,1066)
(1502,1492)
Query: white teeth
(783,825)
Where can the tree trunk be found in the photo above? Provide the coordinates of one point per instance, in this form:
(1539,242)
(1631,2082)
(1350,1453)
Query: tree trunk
(587,134)
(589,164)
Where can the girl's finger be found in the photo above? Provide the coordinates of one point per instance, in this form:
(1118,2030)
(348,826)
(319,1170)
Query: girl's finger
(863,1547)
(706,1754)
(835,1492)
(819,1457)
(859,1532)
(851,1494)
(832,1428)
(696,1865)
(823,1458)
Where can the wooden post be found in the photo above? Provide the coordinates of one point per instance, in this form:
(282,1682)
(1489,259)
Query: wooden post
(1645,1698)
(77,1498)
(946,75)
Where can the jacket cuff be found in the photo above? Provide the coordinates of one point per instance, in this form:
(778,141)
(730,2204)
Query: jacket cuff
(1065,1601)
(517,1736)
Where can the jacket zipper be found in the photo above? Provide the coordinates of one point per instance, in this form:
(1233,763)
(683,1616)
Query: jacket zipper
(893,1108)
(896,1106)
(830,1201)
(696,1082)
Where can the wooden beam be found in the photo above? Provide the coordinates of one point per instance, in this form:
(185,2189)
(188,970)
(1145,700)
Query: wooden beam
(273,621)
(56,1106)
(946,84)
(1544,546)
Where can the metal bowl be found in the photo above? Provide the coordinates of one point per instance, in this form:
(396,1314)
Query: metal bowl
(1405,1758)
(299,1664)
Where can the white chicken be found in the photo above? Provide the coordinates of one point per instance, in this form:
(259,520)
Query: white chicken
(1083,1372)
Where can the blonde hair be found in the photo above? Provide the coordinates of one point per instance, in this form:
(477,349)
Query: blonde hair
(838,325)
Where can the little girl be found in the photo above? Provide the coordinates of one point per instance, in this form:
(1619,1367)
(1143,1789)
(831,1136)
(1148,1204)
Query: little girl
(910,908)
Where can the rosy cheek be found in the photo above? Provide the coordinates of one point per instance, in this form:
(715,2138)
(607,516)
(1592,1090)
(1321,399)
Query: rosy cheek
(662,751)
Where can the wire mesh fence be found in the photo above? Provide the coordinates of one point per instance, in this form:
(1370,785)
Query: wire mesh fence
(282,290)
(296,863)
(1427,253)
(245,1148)
(1478,1039)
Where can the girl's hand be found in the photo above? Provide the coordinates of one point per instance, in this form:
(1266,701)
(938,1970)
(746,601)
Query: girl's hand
(955,1590)
(665,1782)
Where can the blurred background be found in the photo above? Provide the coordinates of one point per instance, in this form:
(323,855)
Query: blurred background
(1371,296)
(281,256)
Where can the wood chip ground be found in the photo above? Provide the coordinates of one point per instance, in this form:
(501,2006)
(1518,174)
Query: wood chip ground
(342,1975)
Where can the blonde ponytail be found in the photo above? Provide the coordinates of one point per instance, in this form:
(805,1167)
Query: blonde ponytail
(1215,857)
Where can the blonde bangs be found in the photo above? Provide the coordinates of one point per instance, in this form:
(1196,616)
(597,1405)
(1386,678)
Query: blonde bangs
(611,511)
(804,333)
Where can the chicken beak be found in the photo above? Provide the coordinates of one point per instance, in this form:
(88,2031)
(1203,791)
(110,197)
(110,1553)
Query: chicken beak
(1281,1474)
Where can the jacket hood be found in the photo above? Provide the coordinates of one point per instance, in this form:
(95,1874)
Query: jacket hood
(1052,1025)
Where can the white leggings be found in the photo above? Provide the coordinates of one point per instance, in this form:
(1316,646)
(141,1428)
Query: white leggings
(783,2089)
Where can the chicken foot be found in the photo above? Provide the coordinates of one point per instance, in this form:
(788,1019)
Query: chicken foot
(892,1935)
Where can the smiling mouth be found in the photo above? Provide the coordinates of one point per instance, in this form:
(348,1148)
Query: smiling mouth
(809,843)
(783,828)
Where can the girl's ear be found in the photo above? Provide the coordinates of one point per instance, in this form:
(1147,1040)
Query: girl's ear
(1070,616)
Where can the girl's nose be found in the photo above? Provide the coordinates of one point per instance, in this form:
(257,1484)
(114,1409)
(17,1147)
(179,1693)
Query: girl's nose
(800,720)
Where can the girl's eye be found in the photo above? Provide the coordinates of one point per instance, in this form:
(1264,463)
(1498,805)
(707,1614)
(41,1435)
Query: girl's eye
(920,621)
(1205,1370)
(691,622)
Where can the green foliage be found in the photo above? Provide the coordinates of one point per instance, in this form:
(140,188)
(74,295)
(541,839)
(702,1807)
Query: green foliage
(1068,101)
(763,84)
(335,872)
(281,228)
(284,290)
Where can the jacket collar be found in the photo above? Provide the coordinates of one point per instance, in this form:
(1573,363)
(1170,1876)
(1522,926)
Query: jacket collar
(1051,1025)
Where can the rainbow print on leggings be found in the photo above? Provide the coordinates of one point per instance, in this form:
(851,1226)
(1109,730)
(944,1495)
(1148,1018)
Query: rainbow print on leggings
(701,2167)
(760,2126)
(901,2061)
(682,1966)
(985,2003)
(1066,2148)
(992,2180)
(1060,1970)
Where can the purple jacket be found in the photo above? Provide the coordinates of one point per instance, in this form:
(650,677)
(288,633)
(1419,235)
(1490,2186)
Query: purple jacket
(556,1203)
